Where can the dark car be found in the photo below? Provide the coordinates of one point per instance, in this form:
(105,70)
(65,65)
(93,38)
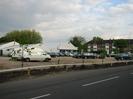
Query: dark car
(77,55)
(123,56)
(111,55)
(85,56)
(89,56)
(53,54)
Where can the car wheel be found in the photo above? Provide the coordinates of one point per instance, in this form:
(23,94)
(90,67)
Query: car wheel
(27,60)
(46,60)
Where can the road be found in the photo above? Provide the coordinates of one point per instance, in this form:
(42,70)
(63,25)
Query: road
(109,83)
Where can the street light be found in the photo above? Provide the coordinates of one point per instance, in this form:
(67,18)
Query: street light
(22,62)
(82,53)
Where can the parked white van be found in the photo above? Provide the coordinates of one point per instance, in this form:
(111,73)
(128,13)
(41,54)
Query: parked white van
(31,56)
(37,57)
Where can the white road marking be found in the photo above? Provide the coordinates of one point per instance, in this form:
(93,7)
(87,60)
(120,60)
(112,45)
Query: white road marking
(100,81)
(131,73)
(46,95)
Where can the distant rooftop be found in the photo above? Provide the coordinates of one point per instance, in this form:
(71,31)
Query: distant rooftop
(9,44)
(67,46)
(111,41)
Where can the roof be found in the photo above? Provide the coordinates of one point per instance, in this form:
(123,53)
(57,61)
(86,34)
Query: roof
(9,44)
(67,46)
(111,41)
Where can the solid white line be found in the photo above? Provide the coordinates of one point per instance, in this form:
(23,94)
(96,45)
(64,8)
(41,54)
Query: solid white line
(100,81)
(46,95)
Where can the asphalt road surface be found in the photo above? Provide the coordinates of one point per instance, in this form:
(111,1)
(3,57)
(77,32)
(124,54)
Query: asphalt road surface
(110,83)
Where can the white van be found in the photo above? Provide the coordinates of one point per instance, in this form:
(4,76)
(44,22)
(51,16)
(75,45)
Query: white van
(37,57)
(31,56)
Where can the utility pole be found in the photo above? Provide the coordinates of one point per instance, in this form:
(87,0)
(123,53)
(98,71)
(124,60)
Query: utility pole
(22,62)
(82,54)
(129,45)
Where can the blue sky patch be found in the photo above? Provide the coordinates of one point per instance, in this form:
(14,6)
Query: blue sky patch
(116,2)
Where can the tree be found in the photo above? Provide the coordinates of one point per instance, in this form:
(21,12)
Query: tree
(97,40)
(22,37)
(121,44)
(79,42)
(103,53)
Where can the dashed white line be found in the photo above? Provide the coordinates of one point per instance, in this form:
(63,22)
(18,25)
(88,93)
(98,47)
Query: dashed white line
(46,95)
(96,82)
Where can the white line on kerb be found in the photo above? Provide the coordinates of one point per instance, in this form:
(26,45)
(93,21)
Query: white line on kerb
(46,95)
(100,81)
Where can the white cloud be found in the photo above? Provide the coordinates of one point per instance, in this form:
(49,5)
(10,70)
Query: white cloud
(58,20)
(122,9)
(93,2)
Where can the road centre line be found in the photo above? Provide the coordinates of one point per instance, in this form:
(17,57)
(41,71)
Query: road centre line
(100,81)
(46,95)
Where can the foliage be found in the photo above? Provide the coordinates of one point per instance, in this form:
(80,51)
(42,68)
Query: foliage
(97,40)
(103,53)
(22,37)
(121,44)
(131,49)
(116,51)
(79,42)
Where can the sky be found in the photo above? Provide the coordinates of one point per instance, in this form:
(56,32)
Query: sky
(59,20)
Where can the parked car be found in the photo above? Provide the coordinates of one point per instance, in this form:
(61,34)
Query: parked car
(69,54)
(62,54)
(85,56)
(123,56)
(77,55)
(111,55)
(100,56)
(53,54)
(89,56)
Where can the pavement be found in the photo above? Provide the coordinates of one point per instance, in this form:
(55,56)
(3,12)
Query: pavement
(109,83)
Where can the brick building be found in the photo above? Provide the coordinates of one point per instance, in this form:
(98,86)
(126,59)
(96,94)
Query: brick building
(108,45)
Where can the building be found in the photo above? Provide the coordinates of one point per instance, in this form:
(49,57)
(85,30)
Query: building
(7,48)
(108,45)
(67,48)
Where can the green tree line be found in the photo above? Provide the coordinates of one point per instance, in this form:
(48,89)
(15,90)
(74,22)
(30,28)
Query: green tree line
(22,37)
(80,43)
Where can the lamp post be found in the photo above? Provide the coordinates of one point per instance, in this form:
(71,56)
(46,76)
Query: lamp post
(82,53)
(22,62)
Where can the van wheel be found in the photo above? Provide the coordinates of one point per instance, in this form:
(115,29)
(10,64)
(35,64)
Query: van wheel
(27,60)
(46,60)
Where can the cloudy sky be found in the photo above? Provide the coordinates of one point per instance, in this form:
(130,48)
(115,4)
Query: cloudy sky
(58,20)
